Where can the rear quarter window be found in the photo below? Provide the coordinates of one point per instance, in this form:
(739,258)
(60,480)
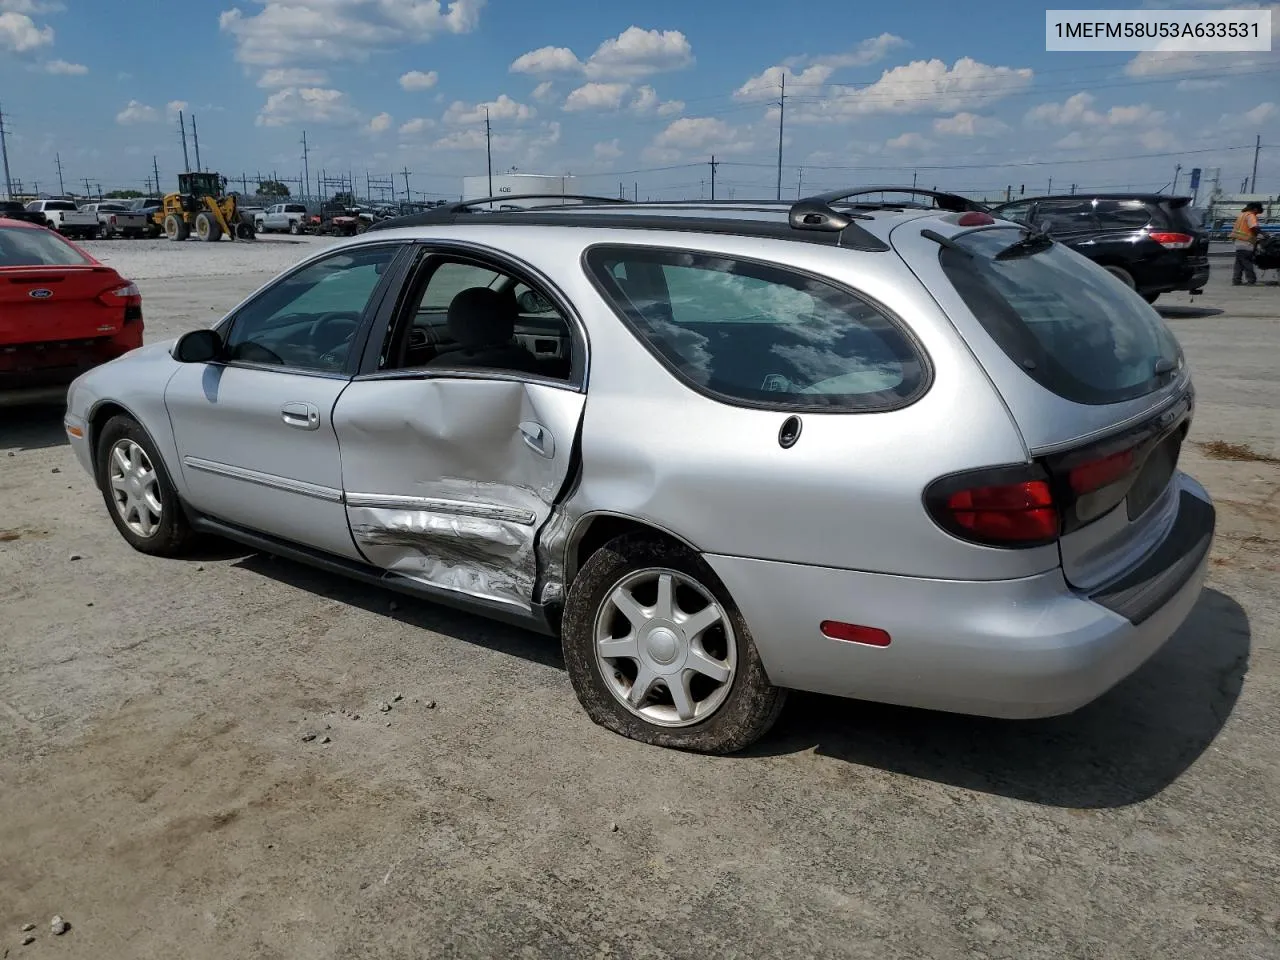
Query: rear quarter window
(1073,328)
(755,334)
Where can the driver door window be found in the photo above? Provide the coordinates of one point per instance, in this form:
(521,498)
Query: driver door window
(308,320)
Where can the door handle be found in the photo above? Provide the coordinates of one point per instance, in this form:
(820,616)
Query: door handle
(304,416)
(538,439)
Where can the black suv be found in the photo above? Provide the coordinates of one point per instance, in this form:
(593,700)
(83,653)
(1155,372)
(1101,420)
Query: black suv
(1147,240)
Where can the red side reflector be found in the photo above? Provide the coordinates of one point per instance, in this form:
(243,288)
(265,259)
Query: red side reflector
(1097,474)
(975,218)
(1172,241)
(853,633)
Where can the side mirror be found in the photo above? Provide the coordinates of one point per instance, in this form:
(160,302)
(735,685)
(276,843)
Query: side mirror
(533,302)
(198,346)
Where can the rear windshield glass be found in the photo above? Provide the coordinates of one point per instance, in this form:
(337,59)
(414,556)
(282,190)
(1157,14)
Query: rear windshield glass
(753,333)
(1072,326)
(60,205)
(21,247)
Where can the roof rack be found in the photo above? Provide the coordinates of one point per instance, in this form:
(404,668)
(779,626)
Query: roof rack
(465,206)
(817,213)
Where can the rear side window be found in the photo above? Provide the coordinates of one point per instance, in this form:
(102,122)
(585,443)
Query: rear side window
(755,334)
(1123,214)
(1074,328)
(21,247)
(1065,216)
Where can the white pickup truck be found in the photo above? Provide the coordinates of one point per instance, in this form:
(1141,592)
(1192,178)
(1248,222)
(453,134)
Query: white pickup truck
(115,219)
(66,218)
(290,217)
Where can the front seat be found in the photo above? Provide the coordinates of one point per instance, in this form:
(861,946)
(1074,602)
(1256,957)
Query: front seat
(483,322)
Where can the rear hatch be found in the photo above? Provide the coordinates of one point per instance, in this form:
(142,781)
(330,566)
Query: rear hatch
(1176,215)
(1091,375)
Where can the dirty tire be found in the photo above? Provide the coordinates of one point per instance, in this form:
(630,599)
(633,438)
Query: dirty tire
(753,703)
(175,227)
(295,228)
(173,533)
(1123,275)
(245,231)
(207,228)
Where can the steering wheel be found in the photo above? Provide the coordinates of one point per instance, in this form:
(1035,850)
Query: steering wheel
(334,354)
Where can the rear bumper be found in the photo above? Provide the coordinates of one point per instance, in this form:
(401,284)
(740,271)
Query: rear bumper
(1013,648)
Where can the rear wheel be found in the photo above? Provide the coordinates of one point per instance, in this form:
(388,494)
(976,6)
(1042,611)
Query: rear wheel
(207,228)
(657,651)
(244,230)
(175,227)
(138,492)
(1151,297)
(1123,275)
(295,228)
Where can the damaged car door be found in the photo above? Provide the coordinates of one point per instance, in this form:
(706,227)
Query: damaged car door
(456,448)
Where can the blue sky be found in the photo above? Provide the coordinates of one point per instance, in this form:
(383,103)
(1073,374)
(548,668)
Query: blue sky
(961,94)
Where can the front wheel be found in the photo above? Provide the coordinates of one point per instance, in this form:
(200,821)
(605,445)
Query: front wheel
(138,492)
(1123,275)
(1151,297)
(657,651)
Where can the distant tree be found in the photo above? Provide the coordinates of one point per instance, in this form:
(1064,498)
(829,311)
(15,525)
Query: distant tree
(272,188)
(123,195)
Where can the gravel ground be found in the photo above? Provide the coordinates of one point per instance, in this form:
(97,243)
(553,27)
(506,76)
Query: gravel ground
(193,761)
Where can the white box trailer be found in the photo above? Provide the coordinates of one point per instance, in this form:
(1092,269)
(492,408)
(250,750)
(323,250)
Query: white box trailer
(516,184)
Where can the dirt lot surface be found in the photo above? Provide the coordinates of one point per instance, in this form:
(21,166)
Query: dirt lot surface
(156,789)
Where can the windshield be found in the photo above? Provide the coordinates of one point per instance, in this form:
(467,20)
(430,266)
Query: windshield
(1073,327)
(22,247)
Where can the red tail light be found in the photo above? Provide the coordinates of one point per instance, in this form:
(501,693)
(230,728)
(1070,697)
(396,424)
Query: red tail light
(1004,507)
(1172,241)
(1096,474)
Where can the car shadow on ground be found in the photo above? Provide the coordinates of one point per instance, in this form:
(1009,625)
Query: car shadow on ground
(1124,748)
(1171,312)
(32,427)
(467,627)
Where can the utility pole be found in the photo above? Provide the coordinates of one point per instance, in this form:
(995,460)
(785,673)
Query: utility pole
(1253,180)
(635,196)
(488,148)
(1050,190)
(155,168)
(914,176)
(1177,172)
(4,152)
(182,127)
(88,192)
(782,109)
(306,170)
(1073,189)
(195,138)
(799,182)
(407,195)
(62,190)
(244,184)
(713,176)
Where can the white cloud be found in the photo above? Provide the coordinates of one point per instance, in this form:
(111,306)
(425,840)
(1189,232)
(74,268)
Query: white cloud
(544,92)
(1200,84)
(30,6)
(380,124)
(638,53)
(504,108)
(294,105)
(1261,113)
(607,150)
(19,33)
(172,107)
(519,144)
(922,86)
(416,125)
(768,84)
(596,96)
(547,60)
(137,112)
(1077,110)
(417,80)
(65,69)
(288,32)
(292,77)
(909,141)
(631,54)
(702,134)
(969,125)
(646,101)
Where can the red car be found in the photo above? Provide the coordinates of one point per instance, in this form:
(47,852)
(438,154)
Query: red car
(61,313)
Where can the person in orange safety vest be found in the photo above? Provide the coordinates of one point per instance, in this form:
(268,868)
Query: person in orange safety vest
(1244,235)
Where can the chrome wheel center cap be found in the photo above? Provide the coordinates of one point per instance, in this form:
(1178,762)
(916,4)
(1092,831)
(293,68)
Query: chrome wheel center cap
(662,645)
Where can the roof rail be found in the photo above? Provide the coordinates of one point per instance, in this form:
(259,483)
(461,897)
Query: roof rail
(464,206)
(817,213)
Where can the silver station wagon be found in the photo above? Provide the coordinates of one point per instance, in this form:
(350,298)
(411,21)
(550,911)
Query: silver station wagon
(897,451)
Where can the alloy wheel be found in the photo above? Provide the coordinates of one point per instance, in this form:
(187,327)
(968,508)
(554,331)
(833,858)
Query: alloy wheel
(135,488)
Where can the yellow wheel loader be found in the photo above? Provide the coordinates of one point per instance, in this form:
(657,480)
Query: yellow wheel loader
(201,208)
